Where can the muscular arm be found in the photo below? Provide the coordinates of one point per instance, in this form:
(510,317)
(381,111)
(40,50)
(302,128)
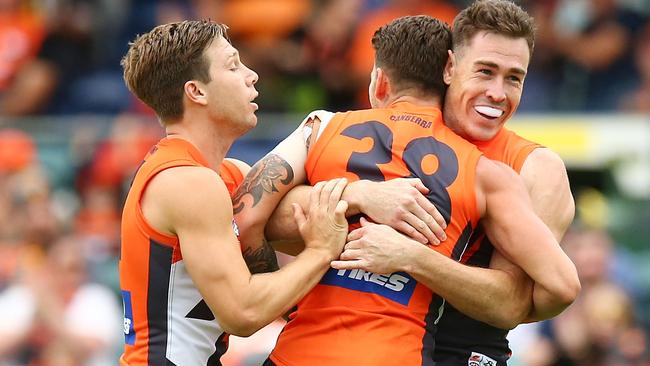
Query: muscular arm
(281,229)
(410,211)
(477,292)
(261,259)
(260,192)
(545,177)
(488,295)
(193,204)
(509,296)
(522,238)
(501,295)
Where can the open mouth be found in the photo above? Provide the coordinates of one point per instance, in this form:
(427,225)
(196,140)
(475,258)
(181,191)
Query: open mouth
(255,106)
(488,112)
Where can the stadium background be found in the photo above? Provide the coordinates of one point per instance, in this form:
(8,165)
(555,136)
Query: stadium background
(71,136)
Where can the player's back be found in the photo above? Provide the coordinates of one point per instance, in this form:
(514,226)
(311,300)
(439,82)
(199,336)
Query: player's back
(460,338)
(165,317)
(360,318)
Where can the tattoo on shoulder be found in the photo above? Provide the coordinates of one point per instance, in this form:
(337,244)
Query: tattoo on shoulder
(262,259)
(263,177)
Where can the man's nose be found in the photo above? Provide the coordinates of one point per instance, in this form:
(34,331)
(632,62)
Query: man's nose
(496,92)
(254,77)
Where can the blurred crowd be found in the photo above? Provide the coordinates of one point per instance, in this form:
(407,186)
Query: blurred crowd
(605,326)
(62,56)
(60,202)
(59,245)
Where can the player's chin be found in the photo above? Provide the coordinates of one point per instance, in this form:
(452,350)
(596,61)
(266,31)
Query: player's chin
(489,132)
(252,120)
(483,131)
(487,128)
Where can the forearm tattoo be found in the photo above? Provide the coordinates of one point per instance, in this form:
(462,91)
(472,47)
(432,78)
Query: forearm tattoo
(262,178)
(262,259)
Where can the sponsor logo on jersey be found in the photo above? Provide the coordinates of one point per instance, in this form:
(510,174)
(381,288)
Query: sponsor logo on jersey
(479,359)
(397,286)
(129,331)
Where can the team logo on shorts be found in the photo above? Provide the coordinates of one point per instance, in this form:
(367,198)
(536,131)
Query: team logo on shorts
(129,331)
(479,359)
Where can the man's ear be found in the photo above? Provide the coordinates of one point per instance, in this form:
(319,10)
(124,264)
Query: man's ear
(382,85)
(449,67)
(195,93)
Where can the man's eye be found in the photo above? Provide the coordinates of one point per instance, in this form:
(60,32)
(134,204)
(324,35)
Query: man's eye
(485,71)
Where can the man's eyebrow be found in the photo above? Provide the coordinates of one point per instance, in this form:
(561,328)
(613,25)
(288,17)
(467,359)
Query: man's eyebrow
(233,54)
(514,70)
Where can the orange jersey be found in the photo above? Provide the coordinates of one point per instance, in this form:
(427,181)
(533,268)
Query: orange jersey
(359,318)
(508,148)
(511,149)
(460,337)
(166,320)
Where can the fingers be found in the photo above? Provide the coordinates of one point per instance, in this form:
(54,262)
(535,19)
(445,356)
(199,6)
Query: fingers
(437,230)
(351,254)
(417,183)
(331,193)
(326,192)
(353,244)
(314,194)
(422,215)
(298,215)
(339,213)
(432,217)
(410,231)
(330,200)
(420,220)
(433,211)
(359,232)
(355,234)
(356,264)
(364,222)
(337,192)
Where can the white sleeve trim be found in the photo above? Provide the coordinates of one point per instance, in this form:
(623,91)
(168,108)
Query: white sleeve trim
(324,116)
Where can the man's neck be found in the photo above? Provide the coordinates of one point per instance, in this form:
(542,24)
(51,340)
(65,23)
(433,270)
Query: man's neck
(428,101)
(212,145)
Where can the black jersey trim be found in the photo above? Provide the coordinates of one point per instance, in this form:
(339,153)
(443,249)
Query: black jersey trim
(160,261)
(221,346)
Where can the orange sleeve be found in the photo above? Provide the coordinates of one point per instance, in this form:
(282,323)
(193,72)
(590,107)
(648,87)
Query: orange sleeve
(231,175)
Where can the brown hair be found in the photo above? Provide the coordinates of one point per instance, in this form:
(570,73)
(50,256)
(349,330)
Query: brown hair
(501,17)
(158,63)
(413,52)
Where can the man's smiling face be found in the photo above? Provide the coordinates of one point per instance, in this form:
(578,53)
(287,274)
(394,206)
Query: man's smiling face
(485,79)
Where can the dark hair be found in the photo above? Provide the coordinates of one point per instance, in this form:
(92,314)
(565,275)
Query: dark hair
(160,62)
(413,52)
(501,17)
